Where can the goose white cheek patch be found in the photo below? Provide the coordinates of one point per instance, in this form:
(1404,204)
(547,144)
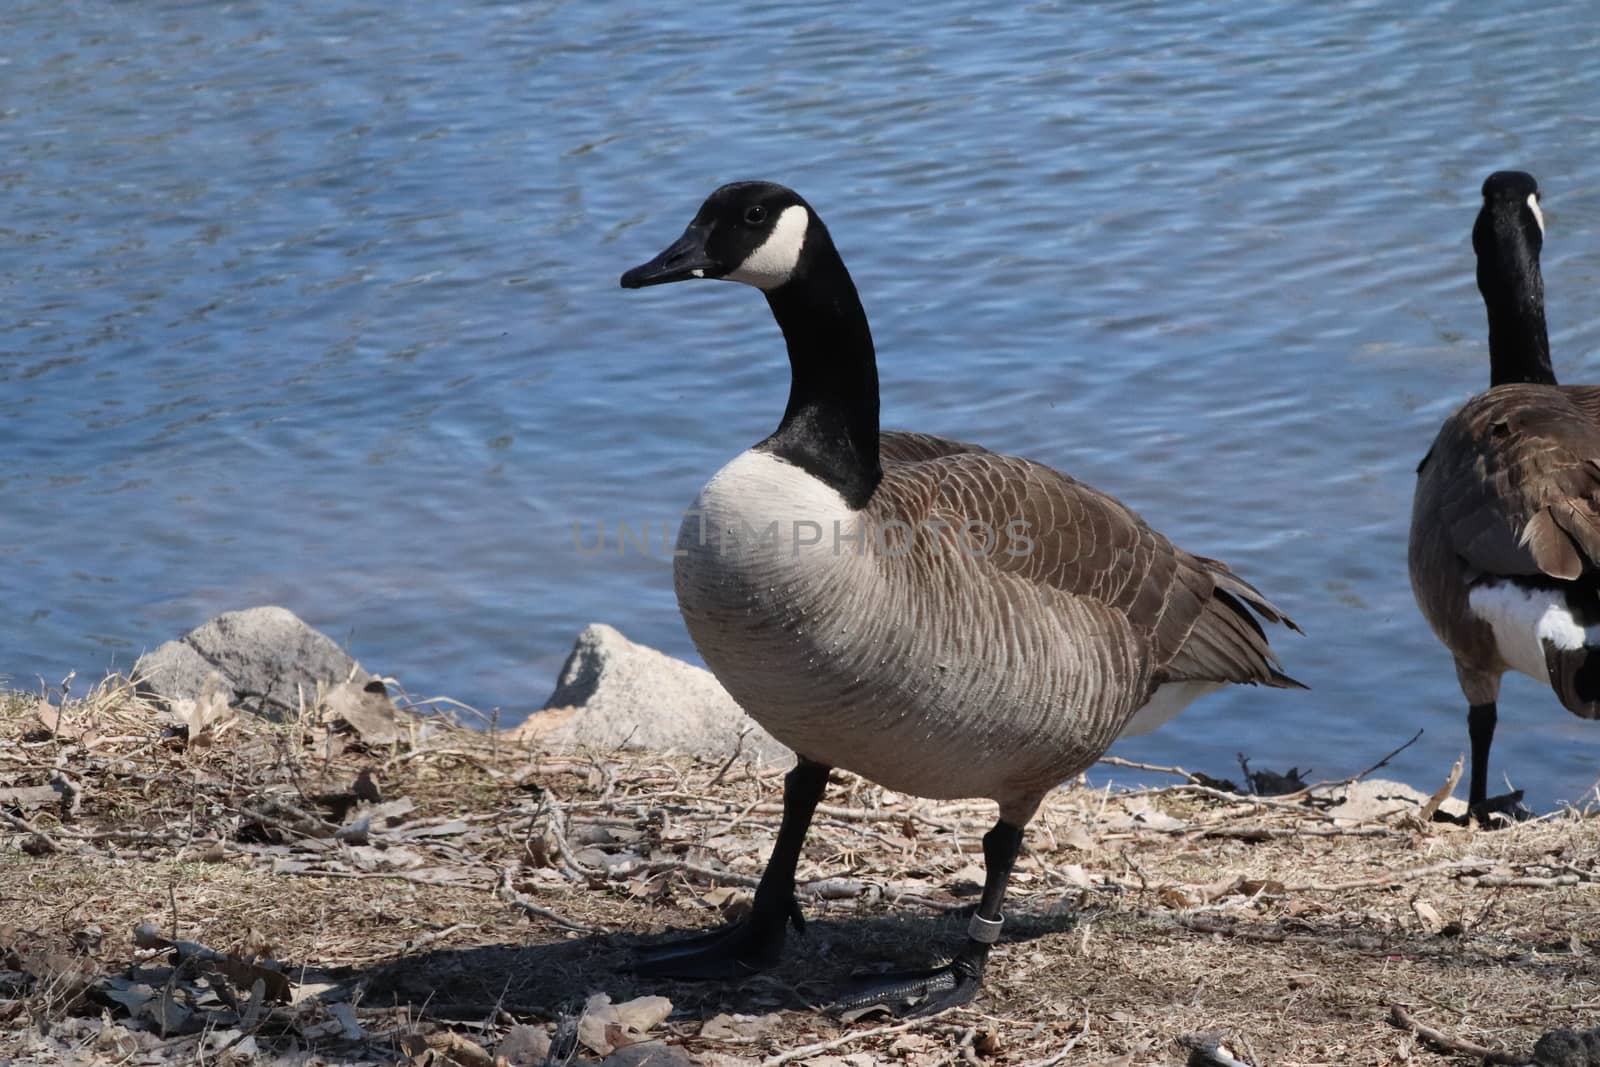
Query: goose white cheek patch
(1533,206)
(771,264)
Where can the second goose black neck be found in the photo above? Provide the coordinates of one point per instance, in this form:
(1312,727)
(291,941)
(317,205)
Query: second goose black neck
(1513,295)
(830,427)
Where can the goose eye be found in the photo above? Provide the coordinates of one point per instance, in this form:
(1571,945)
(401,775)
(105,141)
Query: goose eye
(755,215)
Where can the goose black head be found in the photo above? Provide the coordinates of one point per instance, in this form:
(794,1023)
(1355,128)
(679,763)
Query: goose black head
(751,232)
(1510,218)
(1507,237)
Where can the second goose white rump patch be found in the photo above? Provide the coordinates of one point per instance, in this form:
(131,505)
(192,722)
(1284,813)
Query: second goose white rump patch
(1524,618)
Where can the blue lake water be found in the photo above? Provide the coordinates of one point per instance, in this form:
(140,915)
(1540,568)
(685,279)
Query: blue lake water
(315,303)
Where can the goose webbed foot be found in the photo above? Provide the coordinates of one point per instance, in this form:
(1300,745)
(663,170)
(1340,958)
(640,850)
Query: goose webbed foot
(915,994)
(1492,813)
(754,943)
(1503,810)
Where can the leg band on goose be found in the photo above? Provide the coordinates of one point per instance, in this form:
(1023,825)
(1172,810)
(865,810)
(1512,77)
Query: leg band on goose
(985,931)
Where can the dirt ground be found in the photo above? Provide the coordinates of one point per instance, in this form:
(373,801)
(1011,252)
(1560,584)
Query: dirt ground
(204,887)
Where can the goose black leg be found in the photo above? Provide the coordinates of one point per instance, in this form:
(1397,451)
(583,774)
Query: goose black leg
(917,993)
(755,942)
(1480,806)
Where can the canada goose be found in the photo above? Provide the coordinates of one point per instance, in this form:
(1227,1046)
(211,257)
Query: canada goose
(941,619)
(1505,525)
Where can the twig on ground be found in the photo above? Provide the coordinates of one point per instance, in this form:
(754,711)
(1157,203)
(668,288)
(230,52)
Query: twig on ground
(1529,881)
(504,891)
(1408,875)
(738,747)
(825,1046)
(574,870)
(48,843)
(419,877)
(1402,1018)
(1333,782)
(1155,768)
(1207,926)
(1061,1053)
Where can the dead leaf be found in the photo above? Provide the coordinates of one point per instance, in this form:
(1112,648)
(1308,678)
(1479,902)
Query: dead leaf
(1440,795)
(1078,838)
(1176,897)
(50,717)
(1075,874)
(1217,890)
(642,1013)
(1158,820)
(605,1026)
(311,990)
(244,974)
(457,1049)
(365,709)
(391,812)
(739,1028)
(372,858)
(1429,916)
(967,878)
(536,726)
(29,797)
(133,996)
(987,1044)
(719,896)
(207,717)
(524,1046)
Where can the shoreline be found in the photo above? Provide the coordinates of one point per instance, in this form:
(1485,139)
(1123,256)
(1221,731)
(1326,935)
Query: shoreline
(464,894)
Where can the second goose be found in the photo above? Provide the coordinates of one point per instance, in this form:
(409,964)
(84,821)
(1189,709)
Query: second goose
(1505,525)
(941,619)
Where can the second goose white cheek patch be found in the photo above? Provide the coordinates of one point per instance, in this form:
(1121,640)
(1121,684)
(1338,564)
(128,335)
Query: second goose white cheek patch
(771,264)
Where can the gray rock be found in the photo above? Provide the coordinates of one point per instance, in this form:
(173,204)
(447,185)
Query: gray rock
(615,694)
(266,657)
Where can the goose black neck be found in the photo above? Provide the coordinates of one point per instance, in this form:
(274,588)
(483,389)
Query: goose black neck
(1513,295)
(830,427)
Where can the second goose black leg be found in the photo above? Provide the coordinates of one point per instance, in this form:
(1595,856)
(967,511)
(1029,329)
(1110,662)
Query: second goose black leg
(917,993)
(755,942)
(1480,806)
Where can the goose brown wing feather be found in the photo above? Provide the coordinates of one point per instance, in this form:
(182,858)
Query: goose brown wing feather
(905,446)
(1514,481)
(1193,613)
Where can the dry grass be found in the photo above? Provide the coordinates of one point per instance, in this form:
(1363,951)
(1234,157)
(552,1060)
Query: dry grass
(496,887)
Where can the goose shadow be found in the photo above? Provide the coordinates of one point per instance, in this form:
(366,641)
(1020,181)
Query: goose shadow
(553,978)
